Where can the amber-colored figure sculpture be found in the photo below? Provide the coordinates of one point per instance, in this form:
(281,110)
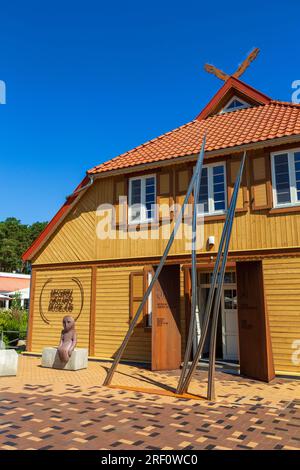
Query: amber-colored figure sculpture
(68,339)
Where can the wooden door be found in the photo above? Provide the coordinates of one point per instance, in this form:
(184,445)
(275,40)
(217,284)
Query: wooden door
(256,358)
(166,336)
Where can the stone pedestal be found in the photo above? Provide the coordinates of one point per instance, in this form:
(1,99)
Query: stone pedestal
(8,362)
(77,361)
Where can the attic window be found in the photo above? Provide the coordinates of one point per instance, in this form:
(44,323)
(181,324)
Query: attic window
(234,104)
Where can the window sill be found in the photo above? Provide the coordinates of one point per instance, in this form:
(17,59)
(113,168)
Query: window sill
(141,222)
(284,210)
(145,225)
(212,217)
(142,225)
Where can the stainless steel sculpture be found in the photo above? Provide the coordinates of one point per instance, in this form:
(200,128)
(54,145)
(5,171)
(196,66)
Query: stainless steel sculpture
(215,316)
(194,301)
(196,176)
(213,294)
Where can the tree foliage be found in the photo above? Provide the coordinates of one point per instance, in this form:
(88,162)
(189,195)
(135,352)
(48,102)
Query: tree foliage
(15,238)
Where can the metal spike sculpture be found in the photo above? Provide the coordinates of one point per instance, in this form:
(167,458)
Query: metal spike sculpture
(214,298)
(195,178)
(194,301)
(214,294)
(241,69)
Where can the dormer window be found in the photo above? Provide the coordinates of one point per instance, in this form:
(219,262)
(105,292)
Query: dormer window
(234,104)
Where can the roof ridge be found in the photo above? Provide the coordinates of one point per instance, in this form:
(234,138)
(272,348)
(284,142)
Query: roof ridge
(144,144)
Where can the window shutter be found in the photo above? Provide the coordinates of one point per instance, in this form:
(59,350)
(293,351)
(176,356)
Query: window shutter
(164,193)
(137,289)
(187,299)
(120,189)
(150,300)
(232,167)
(261,187)
(182,181)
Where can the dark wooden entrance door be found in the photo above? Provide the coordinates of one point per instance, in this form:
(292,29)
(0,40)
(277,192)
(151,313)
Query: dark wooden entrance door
(256,358)
(166,336)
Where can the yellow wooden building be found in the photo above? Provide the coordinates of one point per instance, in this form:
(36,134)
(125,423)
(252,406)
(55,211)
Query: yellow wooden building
(100,281)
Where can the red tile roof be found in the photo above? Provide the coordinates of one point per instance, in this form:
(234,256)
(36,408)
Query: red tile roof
(244,126)
(266,121)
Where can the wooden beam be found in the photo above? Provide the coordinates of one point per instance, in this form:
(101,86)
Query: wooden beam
(217,72)
(245,64)
(93,311)
(31,310)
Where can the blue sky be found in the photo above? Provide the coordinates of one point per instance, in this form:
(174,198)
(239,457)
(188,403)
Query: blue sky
(89,80)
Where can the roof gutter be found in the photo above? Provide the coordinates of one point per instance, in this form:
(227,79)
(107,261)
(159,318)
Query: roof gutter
(82,188)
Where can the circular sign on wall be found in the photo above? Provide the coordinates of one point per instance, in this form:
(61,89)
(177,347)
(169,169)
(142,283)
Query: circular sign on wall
(67,301)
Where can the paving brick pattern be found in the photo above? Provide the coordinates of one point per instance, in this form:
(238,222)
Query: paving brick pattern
(47,409)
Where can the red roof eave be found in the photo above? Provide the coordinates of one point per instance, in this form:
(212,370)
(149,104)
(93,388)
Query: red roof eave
(239,86)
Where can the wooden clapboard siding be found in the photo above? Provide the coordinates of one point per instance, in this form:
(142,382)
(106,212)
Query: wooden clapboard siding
(253,228)
(75,239)
(112,309)
(282,289)
(112,316)
(43,334)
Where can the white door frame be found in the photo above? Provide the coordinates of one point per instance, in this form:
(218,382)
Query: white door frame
(226,286)
(224,334)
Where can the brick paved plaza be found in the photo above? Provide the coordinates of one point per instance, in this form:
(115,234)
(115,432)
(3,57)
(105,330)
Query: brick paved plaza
(52,409)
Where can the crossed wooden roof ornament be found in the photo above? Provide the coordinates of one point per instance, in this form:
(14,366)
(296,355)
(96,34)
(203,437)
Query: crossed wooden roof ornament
(241,69)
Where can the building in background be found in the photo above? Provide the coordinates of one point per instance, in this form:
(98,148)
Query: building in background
(12,284)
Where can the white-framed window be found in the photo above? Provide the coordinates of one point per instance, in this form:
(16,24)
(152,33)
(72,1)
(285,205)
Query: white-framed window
(286,178)
(233,104)
(142,198)
(212,196)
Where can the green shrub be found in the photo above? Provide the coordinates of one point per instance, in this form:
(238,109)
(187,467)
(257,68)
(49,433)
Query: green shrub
(13,320)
